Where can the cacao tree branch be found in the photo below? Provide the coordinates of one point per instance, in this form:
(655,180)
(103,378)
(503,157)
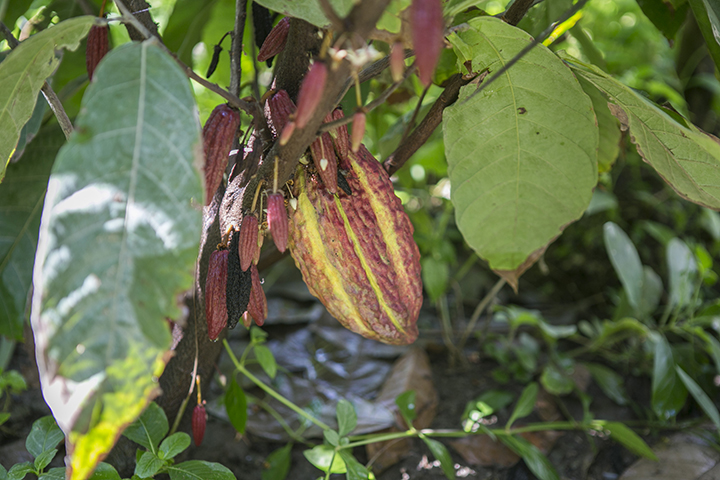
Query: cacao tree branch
(49,94)
(335,21)
(141,12)
(236,48)
(427,126)
(517,11)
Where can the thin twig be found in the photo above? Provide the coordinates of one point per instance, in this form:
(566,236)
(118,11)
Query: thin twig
(49,94)
(248,107)
(517,11)
(326,127)
(415,114)
(479,310)
(536,41)
(236,48)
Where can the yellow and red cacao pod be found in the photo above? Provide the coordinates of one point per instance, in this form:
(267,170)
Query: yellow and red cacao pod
(357,253)
(218,135)
(215,291)
(97,47)
(275,41)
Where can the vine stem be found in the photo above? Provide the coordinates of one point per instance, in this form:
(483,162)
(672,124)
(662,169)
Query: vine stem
(479,310)
(241,368)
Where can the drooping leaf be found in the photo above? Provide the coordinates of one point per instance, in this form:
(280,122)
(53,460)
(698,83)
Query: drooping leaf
(31,128)
(534,459)
(199,469)
(668,391)
(21,199)
(700,396)
(266,360)
(173,445)
(45,435)
(707,15)
(626,262)
(236,405)
(610,382)
(355,469)
(436,275)
(23,73)
(682,270)
(629,439)
(278,464)
(149,428)
(664,16)
(406,405)
(441,454)
(522,154)
(118,241)
(685,157)
(608,128)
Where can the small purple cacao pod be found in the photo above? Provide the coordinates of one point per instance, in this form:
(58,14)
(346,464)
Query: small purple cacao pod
(311,92)
(278,110)
(199,421)
(97,47)
(358,130)
(275,41)
(249,231)
(397,61)
(257,307)
(325,161)
(215,302)
(427,28)
(218,135)
(277,220)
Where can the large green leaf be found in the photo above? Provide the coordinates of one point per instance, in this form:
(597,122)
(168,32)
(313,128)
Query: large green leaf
(23,73)
(118,241)
(21,201)
(522,155)
(685,157)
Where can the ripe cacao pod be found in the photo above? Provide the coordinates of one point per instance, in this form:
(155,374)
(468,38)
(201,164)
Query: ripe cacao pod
(357,253)
(199,421)
(215,304)
(218,135)
(97,47)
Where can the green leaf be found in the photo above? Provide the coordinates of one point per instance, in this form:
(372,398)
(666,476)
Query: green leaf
(31,128)
(199,470)
(45,435)
(525,404)
(406,404)
(706,14)
(20,470)
(668,392)
(44,459)
(555,381)
(322,456)
(652,290)
(346,417)
(57,473)
(104,471)
(15,8)
(185,27)
(629,439)
(685,157)
(266,360)
(682,270)
(700,396)
(610,382)
(236,405)
(331,437)
(441,453)
(149,428)
(534,459)
(173,445)
(626,262)
(608,128)
(308,10)
(522,155)
(21,199)
(278,464)
(117,245)
(664,16)
(711,222)
(23,73)
(355,470)
(148,465)
(435,276)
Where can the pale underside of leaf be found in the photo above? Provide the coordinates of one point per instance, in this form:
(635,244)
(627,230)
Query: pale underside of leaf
(522,154)
(117,246)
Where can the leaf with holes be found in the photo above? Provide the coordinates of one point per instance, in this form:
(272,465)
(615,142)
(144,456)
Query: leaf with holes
(522,154)
(117,245)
